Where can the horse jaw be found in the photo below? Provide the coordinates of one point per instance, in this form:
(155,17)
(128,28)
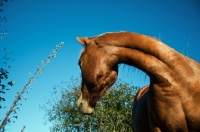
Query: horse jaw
(83,106)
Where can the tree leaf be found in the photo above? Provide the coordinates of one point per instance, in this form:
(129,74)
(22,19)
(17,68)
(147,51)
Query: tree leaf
(2,99)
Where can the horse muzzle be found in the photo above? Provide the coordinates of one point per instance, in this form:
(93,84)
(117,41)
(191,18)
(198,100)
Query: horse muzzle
(83,106)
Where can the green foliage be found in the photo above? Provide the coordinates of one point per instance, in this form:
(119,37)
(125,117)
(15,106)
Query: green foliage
(112,113)
(3,19)
(4,72)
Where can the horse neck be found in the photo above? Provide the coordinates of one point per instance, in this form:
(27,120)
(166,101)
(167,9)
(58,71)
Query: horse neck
(150,55)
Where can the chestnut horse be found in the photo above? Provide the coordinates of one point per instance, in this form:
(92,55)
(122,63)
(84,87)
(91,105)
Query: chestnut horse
(171,102)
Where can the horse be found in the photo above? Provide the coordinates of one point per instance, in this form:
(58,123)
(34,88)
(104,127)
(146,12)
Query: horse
(171,101)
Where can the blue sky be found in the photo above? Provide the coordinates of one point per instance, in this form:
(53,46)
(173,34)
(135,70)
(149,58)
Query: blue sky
(35,27)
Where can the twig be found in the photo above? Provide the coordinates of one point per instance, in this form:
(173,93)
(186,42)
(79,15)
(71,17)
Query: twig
(23,128)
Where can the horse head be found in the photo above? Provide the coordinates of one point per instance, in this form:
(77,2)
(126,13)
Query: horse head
(99,70)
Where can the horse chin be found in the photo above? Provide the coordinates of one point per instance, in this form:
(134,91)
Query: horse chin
(84,108)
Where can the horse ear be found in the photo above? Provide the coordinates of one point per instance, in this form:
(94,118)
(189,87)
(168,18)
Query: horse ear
(84,41)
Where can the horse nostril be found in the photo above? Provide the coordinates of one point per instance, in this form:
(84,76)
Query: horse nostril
(80,104)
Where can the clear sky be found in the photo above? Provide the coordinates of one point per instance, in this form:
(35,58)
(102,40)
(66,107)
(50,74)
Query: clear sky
(35,27)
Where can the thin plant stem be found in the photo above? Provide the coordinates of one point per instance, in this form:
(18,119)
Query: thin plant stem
(19,94)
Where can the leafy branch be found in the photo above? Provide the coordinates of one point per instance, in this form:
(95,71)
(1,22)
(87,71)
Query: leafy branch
(25,89)
(4,71)
(3,19)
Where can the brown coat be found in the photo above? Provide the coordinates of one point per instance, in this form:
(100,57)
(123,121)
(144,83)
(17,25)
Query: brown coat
(171,102)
